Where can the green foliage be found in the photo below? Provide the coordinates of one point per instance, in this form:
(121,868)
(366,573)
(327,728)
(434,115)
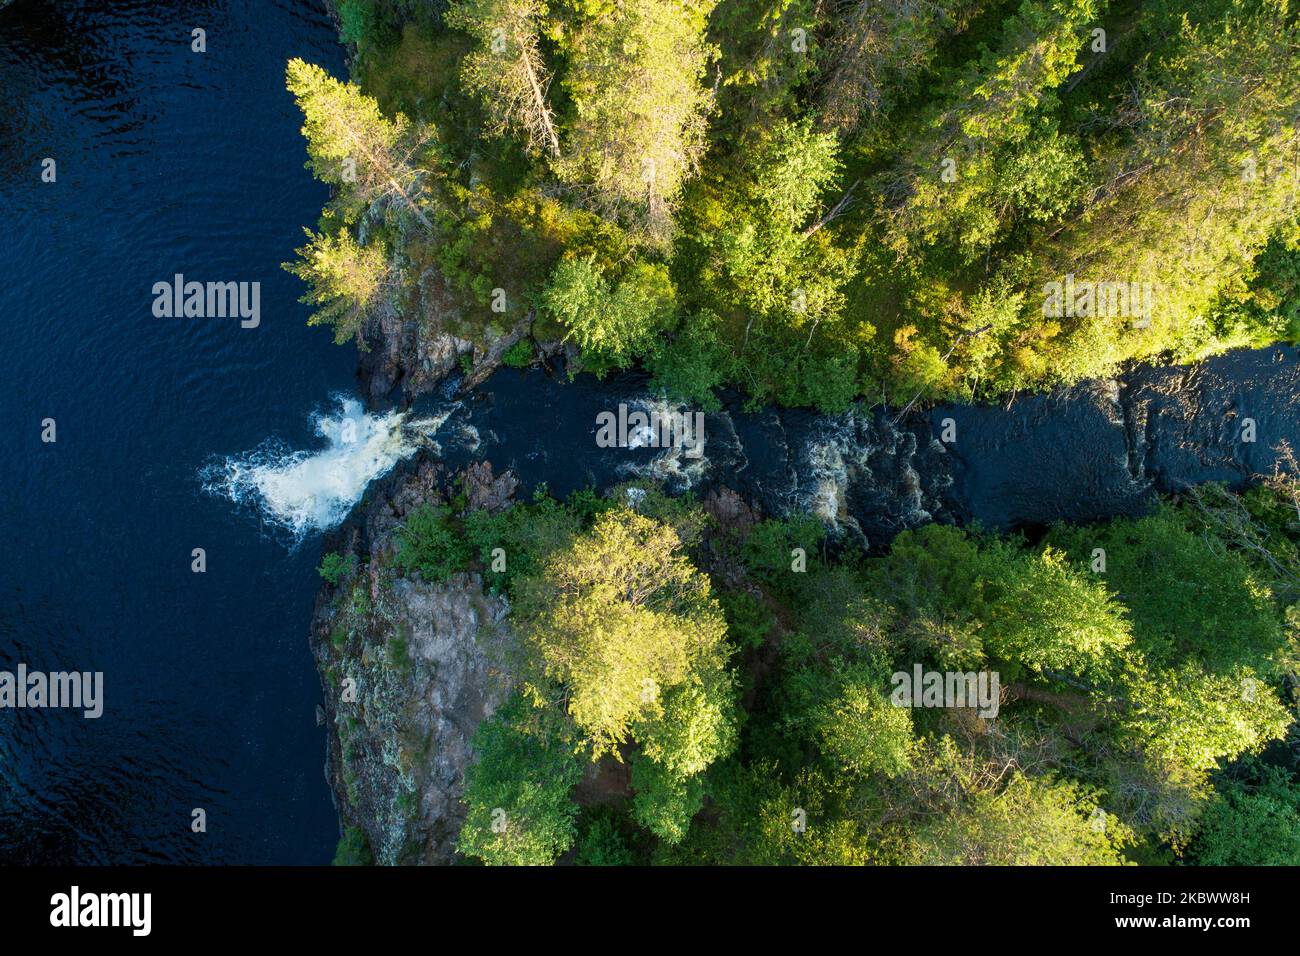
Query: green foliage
(862,733)
(517,794)
(519,355)
(623,621)
(1028,823)
(665,802)
(354,147)
(637,128)
(429,544)
(612,323)
(357,20)
(334,566)
(1190,595)
(817,204)
(603,843)
(1047,616)
(353,848)
(692,364)
(772,550)
(964,603)
(347,282)
(1253,821)
(762,264)
(505,69)
(1194,719)
(526,534)
(748,620)
(760,820)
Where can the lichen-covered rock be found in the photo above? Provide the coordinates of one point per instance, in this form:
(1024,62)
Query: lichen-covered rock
(410,669)
(412,346)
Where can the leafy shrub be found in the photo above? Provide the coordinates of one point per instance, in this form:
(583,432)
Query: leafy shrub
(353,849)
(519,355)
(334,566)
(429,544)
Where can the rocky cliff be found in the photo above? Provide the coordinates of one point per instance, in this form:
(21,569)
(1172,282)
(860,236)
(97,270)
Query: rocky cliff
(409,672)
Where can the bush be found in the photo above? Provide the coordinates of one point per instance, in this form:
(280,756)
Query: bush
(1255,823)
(770,548)
(430,545)
(334,566)
(519,355)
(517,794)
(353,849)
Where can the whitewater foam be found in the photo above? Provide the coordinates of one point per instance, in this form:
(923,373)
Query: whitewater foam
(679,467)
(305,491)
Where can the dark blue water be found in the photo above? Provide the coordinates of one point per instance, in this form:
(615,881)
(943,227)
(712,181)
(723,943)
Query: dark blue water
(168,161)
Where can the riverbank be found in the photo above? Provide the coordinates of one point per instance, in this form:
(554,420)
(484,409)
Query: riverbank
(1092,453)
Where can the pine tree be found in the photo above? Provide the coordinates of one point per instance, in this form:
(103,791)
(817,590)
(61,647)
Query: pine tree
(639,126)
(353,146)
(505,70)
(347,281)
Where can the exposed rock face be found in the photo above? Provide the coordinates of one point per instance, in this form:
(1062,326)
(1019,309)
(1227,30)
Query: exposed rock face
(415,348)
(411,346)
(410,672)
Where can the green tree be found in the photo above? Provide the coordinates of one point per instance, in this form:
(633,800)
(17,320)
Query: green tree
(505,69)
(1192,198)
(1029,822)
(1045,614)
(347,282)
(612,324)
(625,623)
(1189,596)
(1253,821)
(862,733)
(427,543)
(945,187)
(519,811)
(877,51)
(1194,719)
(638,122)
(353,146)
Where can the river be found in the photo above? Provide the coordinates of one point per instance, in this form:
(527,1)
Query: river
(175,434)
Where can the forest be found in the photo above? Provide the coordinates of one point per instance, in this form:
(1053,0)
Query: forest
(694,685)
(815,201)
(821,203)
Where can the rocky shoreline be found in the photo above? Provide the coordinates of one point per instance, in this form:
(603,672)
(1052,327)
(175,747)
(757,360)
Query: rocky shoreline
(408,672)
(422,656)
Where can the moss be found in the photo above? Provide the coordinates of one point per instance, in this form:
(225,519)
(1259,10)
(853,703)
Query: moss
(519,355)
(353,849)
(399,655)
